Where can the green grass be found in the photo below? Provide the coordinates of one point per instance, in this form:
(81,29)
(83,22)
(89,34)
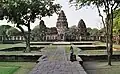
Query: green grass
(101,67)
(102,43)
(97,52)
(67,50)
(50,48)
(8,69)
(99,43)
(16,67)
(3,46)
(19,53)
(116,46)
(93,52)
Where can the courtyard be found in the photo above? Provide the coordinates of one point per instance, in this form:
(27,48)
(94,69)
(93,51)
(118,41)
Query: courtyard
(57,55)
(59,37)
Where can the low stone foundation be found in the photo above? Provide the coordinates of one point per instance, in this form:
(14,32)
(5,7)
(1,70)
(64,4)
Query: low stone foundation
(21,49)
(98,57)
(20,58)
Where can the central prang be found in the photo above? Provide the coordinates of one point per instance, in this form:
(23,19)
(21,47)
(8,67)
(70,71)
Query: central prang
(61,31)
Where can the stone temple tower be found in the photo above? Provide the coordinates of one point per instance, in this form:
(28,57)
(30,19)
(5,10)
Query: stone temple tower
(62,26)
(82,28)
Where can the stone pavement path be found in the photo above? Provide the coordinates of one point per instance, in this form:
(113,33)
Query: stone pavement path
(56,63)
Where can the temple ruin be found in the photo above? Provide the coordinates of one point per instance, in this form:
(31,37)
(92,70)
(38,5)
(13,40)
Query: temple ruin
(62,27)
(58,33)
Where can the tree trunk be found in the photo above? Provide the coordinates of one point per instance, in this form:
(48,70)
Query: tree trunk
(118,39)
(110,39)
(3,39)
(28,40)
(27,44)
(110,51)
(107,35)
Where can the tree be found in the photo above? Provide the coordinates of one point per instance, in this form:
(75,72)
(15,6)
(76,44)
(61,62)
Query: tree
(39,32)
(116,22)
(89,31)
(3,29)
(13,32)
(25,12)
(102,32)
(109,6)
(116,25)
(71,33)
(93,32)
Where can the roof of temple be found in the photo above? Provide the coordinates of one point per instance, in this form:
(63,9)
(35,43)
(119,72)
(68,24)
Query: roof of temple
(62,20)
(81,24)
(52,30)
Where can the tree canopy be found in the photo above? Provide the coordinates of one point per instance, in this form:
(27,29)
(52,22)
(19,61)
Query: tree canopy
(116,23)
(25,12)
(22,11)
(93,32)
(108,7)
(3,29)
(13,32)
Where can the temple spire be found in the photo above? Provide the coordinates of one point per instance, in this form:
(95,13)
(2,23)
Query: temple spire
(82,28)
(61,25)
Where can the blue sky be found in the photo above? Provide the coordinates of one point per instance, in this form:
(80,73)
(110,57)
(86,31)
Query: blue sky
(88,14)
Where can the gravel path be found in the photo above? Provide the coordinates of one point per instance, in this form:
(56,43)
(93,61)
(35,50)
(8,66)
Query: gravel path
(56,63)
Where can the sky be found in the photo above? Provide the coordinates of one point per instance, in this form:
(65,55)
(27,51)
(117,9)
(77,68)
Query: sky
(88,14)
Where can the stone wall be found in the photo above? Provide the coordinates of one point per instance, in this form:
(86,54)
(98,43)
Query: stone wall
(99,57)
(20,58)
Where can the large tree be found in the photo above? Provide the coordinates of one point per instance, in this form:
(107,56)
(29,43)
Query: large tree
(25,12)
(108,6)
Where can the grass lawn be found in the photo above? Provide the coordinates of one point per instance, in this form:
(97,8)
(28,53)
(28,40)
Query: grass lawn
(116,46)
(102,43)
(3,46)
(101,67)
(67,50)
(99,43)
(95,52)
(20,53)
(16,67)
(8,69)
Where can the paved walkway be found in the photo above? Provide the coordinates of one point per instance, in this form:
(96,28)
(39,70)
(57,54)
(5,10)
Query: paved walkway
(56,63)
